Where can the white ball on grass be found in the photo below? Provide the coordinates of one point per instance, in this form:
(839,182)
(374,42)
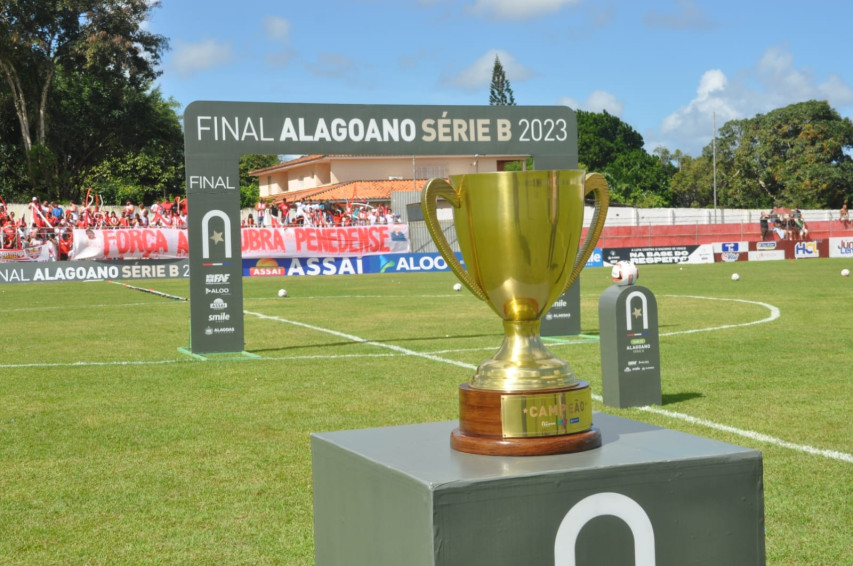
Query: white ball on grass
(457,287)
(624,273)
(845,273)
(282,293)
(735,276)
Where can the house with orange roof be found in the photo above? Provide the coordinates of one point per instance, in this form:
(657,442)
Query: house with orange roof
(366,178)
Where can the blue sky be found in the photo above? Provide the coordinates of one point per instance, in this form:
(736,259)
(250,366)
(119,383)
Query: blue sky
(665,67)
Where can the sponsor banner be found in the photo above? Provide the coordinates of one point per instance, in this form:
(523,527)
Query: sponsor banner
(131,243)
(295,266)
(803,250)
(596,259)
(352,241)
(665,254)
(385,263)
(32,272)
(33,253)
(730,256)
(408,263)
(764,246)
(730,247)
(258,243)
(841,247)
(766,255)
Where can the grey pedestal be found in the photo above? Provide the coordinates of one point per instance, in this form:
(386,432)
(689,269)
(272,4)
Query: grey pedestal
(401,496)
(630,347)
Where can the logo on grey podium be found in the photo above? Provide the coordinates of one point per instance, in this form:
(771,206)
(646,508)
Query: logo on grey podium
(607,503)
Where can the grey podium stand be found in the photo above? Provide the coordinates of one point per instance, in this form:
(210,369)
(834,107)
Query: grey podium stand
(564,316)
(630,347)
(400,496)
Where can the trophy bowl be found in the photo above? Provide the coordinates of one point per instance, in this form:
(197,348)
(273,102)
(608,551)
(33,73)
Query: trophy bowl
(519,234)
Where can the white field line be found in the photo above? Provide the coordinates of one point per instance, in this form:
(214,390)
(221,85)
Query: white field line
(360,340)
(400,351)
(774,314)
(756,436)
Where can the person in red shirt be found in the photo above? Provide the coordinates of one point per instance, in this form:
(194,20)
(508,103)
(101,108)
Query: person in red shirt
(65,243)
(9,234)
(35,213)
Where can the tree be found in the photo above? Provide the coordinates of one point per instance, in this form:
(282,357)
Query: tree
(249,185)
(83,44)
(668,157)
(602,136)
(792,156)
(154,169)
(693,185)
(500,92)
(608,145)
(638,179)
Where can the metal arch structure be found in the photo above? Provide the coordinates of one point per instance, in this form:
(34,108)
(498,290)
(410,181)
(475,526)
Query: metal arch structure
(217,134)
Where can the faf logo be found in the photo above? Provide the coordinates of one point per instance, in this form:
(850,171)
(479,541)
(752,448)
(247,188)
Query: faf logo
(217,278)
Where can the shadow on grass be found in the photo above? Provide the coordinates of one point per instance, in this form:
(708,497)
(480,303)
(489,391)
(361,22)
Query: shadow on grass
(673,398)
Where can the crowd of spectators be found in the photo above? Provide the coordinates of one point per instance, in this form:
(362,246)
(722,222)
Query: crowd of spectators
(49,222)
(785,223)
(318,214)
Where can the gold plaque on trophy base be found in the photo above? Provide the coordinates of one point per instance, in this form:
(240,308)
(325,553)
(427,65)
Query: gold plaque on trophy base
(499,423)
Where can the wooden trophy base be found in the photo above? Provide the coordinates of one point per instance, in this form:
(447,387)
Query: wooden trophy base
(483,430)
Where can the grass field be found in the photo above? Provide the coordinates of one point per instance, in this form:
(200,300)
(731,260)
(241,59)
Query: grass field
(117,449)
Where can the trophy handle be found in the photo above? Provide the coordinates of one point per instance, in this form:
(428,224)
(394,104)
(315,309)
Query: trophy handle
(440,188)
(593,183)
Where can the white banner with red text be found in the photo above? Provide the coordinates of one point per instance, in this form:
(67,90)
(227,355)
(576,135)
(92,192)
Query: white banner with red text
(40,252)
(170,243)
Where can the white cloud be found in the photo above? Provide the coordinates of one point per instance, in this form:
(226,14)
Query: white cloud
(692,125)
(516,10)
(277,29)
(597,101)
(600,100)
(479,73)
(773,82)
(836,91)
(191,58)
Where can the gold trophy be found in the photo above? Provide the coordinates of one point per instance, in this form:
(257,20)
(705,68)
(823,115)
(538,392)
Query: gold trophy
(519,233)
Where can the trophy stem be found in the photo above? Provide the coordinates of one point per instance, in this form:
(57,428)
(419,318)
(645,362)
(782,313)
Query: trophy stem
(522,363)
